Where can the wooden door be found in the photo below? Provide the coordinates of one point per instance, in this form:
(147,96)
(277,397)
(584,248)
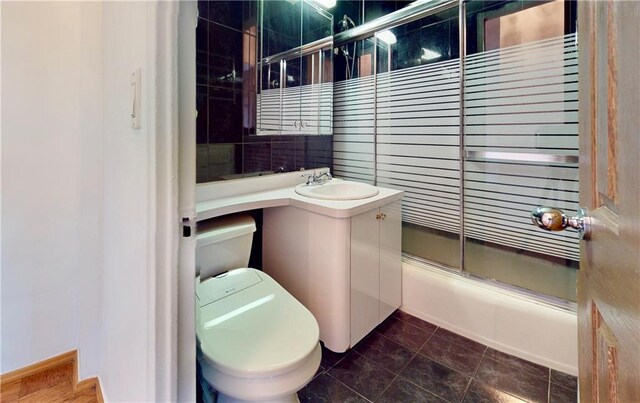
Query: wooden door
(609,279)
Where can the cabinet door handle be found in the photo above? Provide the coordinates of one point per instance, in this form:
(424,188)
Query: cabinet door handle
(378,216)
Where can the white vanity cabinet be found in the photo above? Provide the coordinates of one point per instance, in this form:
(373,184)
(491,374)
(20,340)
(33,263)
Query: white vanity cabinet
(346,271)
(375,268)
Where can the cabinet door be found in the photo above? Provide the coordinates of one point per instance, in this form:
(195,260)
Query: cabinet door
(390,259)
(365,278)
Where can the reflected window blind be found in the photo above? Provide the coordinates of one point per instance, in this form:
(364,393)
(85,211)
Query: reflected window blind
(305,109)
(522,99)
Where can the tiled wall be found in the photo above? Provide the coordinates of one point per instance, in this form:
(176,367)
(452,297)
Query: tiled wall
(227,48)
(227,147)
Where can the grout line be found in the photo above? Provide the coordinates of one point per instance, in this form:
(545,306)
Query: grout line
(422,345)
(402,345)
(409,323)
(348,387)
(549,387)
(484,354)
(429,358)
(382,367)
(460,345)
(472,377)
(519,398)
(420,387)
(390,383)
(466,390)
(339,361)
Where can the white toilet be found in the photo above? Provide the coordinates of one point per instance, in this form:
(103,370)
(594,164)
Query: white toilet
(255,341)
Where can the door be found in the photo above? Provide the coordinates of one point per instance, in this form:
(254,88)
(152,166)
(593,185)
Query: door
(390,259)
(186,143)
(609,279)
(365,273)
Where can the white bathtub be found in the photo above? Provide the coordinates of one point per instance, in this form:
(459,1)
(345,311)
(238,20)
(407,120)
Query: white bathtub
(499,318)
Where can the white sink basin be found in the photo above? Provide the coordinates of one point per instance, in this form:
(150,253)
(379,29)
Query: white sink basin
(338,190)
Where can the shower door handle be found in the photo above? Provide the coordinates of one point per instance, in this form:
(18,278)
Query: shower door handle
(552,219)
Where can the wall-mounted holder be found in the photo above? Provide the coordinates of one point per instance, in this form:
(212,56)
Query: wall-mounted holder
(135,99)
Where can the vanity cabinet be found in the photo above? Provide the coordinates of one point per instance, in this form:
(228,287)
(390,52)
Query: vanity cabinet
(346,271)
(375,268)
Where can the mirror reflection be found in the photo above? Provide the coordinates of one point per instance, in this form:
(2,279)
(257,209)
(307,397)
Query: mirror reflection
(295,92)
(229,79)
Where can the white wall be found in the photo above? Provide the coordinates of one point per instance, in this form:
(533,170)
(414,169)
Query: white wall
(82,246)
(52,181)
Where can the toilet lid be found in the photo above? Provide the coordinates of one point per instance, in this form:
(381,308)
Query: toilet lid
(260,330)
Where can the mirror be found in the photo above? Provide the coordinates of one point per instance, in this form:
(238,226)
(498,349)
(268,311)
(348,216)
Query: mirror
(295,68)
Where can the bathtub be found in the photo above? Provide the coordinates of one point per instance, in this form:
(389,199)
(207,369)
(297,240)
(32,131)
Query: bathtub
(502,319)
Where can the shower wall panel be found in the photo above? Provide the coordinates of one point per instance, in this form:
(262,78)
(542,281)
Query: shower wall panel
(399,126)
(418,143)
(521,106)
(353,129)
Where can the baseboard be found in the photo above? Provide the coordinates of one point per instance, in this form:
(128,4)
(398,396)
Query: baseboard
(88,384)
(40,366)
(48,364)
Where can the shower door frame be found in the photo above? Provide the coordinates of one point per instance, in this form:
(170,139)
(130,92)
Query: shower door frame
(413,12)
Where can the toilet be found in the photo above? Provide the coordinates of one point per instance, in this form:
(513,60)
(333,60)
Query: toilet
(255,341)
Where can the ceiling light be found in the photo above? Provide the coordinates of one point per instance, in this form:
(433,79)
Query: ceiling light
(326,3)
(428,54)
(387,36)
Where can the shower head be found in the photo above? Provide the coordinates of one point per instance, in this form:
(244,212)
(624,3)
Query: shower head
(346,23)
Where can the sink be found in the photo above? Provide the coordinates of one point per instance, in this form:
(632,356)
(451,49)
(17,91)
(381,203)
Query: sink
(338,190)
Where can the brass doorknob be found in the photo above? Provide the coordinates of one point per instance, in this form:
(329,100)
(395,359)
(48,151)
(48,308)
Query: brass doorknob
(552,219)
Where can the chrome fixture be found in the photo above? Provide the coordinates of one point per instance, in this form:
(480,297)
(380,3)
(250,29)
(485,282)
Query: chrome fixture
(552,219)
(410,13)
(526,157)
(318,179)
(345,24)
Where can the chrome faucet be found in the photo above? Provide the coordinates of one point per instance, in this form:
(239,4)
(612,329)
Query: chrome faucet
(317,179)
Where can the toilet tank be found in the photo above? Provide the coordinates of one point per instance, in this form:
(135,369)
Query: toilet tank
(223,244)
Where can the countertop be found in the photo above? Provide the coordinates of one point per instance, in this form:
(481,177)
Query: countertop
(287,196)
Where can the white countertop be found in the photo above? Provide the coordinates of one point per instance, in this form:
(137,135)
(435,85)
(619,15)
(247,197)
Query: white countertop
(287,196)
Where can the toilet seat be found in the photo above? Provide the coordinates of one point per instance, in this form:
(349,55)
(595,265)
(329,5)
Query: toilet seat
(254,338)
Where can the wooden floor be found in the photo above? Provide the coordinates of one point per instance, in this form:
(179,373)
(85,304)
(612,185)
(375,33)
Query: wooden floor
(52,385)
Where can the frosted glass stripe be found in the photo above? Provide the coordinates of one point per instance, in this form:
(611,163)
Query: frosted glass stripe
(542,46)
(569,129)
(522,91)
(523,98)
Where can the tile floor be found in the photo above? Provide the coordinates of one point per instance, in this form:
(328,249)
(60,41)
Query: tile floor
(409,360)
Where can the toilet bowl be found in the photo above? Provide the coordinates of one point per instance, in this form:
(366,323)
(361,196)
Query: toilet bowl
(255,341)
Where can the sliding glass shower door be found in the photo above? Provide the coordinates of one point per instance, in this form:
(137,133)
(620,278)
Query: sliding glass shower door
(520,144)
(475,145)
(418,131)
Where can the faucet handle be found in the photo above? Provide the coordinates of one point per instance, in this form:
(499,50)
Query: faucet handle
(310,177)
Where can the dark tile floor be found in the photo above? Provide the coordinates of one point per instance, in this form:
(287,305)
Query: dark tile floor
(406,359)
